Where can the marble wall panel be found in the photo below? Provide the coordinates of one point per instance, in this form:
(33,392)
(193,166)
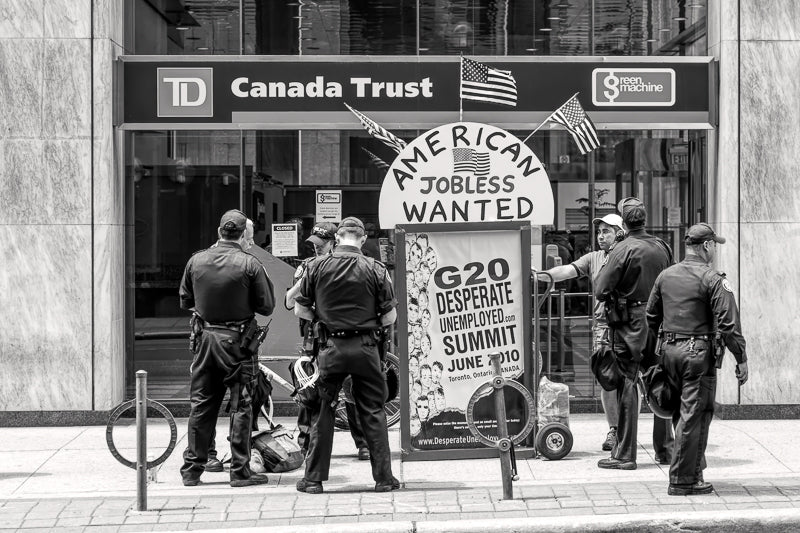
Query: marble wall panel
(45,319)
(21,176)
(21,76)
(45,182)
(66,105)
(108,184)
(109,315)
(22,19)
(773,20)
(722,21)
(770,253)
(725,195)
(65,19)
(770,115)
(108,20)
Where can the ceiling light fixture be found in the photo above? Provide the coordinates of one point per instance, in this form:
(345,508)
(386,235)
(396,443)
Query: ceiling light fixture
(678,19)
(545,29)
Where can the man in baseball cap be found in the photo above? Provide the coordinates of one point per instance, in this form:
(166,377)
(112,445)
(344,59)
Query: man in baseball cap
(702,232)
(232,224)
(322,233)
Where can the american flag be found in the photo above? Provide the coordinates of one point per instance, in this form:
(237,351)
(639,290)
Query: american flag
(481,82)
(472,161)
(574,118)
(378,131)
(377,161)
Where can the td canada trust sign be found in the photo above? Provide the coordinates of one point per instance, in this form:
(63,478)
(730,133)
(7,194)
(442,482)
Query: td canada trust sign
(409,93)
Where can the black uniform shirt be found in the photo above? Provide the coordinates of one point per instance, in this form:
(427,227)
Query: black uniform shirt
(350,291)
(632,267)
(224,284)
(689,297)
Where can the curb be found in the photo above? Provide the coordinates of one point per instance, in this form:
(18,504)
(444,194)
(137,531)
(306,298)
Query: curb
(772,520)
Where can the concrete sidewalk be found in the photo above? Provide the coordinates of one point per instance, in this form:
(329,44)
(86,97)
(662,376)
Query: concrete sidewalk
(67,478)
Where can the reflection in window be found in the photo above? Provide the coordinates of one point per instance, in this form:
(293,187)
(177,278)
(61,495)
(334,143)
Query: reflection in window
(411,27)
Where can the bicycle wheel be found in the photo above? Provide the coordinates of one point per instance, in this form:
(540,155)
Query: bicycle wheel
(392,408)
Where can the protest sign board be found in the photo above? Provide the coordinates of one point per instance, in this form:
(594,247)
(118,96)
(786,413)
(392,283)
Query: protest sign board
(463,292)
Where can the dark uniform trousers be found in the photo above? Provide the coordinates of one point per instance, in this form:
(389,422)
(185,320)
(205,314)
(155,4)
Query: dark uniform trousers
(690,366)
(220,365)
(357,356)
(306,416)
(628,341)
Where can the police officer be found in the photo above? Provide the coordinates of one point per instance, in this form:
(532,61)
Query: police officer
(323,237)
(351,296)
(225,287)
(624,284)
(688,299)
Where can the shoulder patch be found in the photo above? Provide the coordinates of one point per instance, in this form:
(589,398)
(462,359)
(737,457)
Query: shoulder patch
(727,285)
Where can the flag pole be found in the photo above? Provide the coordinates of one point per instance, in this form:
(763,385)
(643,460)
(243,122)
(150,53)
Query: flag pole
(460,87)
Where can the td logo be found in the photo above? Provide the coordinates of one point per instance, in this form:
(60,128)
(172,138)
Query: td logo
(185,92)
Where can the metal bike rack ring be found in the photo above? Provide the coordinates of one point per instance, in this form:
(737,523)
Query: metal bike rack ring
(485,390)
(115,415)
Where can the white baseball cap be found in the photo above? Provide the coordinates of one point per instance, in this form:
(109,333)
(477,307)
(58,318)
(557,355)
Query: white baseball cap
(611,219)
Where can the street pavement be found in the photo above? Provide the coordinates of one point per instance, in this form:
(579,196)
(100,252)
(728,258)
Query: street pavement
(66,478)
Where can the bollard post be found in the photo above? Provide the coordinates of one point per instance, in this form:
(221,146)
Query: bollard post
(503,443)
(141,440)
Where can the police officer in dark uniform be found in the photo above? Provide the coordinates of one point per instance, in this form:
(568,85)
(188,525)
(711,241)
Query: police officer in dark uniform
(323,237)
(624,284)
(688,299)
(225,287)
(352,298)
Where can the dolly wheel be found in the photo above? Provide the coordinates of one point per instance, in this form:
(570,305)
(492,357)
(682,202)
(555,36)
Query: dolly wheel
(554,441)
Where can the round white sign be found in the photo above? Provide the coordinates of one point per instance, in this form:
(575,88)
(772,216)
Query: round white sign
(465,172)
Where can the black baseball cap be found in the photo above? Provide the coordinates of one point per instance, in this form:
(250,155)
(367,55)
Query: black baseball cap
(233,220)
(322,232)
(702,232)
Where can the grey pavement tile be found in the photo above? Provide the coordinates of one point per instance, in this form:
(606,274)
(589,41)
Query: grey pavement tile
(574,504)
(646,509)
(738,499)
(576,511)
(542,504)
(338,519)
(166,518)
(221,525)
(610,510)
(306,520)
(510,505)
(248,515)
(267,514)
(541,513)
(448,517)
(72,513)
(40,530)
(509,514)
(378,510)
(275,522)
(477,508)
(136,527)
(343,511)
(308,512)
(101,529)
(171,526)
(710,507)
(218,516)
(410,517)
(775,505)
(439,509)
(144,518)
(75,521)
(107,520)
(375,518)
(609,503)
(10,524)
(41,522)
(772,498)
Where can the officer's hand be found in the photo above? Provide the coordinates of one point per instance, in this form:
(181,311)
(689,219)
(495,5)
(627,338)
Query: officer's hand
(741,373)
